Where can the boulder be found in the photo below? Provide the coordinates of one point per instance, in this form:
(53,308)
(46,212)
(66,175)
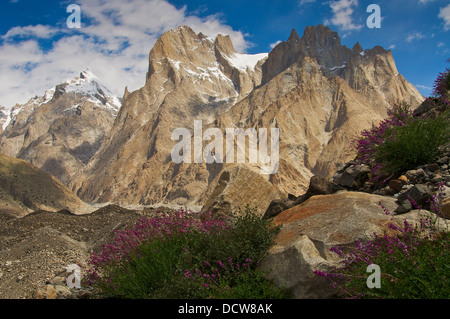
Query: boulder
(352,177)
(446,208)
(309,230)
(419,194)
(50,292)
(396,185)
(403,179)
(237,188)
(277,206)
(426,107)
(416,176)
(317,186)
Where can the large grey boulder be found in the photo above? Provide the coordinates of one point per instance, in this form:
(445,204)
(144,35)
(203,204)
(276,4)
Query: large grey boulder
(317,186)
(419,195)
(309,230)
(352,177)
(238,187)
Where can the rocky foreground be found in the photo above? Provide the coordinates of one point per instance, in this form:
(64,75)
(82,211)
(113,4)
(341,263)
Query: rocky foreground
(36,250)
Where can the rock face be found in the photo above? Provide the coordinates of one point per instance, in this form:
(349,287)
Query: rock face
(238,187)
(191,77)
(60,131)
(25,188)
(309,231)
(318,93)
(372,71)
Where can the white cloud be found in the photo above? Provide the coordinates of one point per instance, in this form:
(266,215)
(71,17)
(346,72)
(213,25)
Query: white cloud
(415,36)
(303,2)
(114,41)
(423,87)
(273,45)
(444,13)
(343,11)
(35,31)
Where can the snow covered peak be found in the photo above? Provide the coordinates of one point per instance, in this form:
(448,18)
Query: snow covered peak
(84,77)
(88,85)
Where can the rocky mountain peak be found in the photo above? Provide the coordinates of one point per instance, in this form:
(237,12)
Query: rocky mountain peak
(60,131)
(88,85)
(318,42)
(209,66)
(373,67)
(318,92)
(357,48)
(224,45)
(294,36)
(320,36)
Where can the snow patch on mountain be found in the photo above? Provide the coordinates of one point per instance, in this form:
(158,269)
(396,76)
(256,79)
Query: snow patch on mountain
(31,105)
(87,84)
(3,117)
(243,61)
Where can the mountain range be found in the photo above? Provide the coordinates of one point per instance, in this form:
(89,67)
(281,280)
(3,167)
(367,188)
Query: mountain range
(60,131)
(317,92)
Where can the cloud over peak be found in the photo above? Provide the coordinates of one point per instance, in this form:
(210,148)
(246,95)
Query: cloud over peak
(114,40)
(343,15)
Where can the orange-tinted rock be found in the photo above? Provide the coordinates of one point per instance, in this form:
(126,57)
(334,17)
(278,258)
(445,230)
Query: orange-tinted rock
(309,230)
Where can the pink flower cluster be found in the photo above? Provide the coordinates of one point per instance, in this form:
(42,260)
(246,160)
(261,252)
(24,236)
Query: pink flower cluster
(369,141)
(442,86)
(146,229)
(387,247)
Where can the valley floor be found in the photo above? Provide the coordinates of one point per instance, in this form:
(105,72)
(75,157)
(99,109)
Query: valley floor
(36,249)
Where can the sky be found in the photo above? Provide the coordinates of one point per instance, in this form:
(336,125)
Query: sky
(41,44)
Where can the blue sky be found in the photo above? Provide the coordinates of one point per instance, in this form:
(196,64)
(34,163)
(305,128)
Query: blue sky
(38,50)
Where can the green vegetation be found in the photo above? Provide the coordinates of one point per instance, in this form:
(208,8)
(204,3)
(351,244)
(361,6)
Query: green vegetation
(414,262)
(180,255)
(403,141)
(418,142)
(414,259)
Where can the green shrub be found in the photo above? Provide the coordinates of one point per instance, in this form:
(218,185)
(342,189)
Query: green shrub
(171,257)
(148,269)
(248,237)
(417,143)
(414,262)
